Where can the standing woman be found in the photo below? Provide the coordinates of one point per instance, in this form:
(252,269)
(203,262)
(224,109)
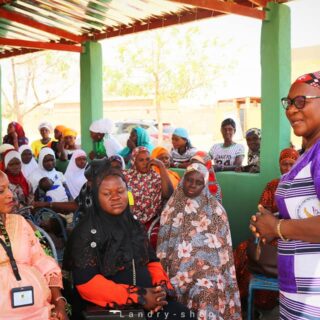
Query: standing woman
(195,248)
(15,135)
(28,162)
(75,172)
(38,273)
(297,197)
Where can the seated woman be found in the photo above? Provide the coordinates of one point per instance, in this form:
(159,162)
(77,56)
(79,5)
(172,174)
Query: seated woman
(28,162)
(15,135)
(112,263)
(163,155)
(195,248)
(18,184)
(182,150)
(117,161)
(227,156)
(38,274)
(104,143)
(74,175)
(44,128)
(213,185)
(149,188)
(263,299)
(139,137)
(46,168)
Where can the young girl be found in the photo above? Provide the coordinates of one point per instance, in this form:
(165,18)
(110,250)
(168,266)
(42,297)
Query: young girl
(182,150)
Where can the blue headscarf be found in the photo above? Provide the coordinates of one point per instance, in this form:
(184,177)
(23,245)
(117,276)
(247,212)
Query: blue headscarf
(181,132)
(143,140)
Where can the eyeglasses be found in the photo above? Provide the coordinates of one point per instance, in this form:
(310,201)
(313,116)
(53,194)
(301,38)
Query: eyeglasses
(298,101)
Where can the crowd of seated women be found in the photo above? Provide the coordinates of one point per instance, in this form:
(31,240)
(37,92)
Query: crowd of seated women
(141,236)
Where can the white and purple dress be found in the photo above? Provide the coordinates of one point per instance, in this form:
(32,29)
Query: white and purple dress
(298,197)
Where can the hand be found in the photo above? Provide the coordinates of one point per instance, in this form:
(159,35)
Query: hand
(130,144)
(59,312)
(238,169)
(155,299)
(156,162)
(264,224)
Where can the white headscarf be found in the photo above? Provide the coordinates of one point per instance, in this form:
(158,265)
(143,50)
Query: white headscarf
(74,175)
(6,146)
(101,126)
(29,167)
(41,172)
(13,154)
(46,125)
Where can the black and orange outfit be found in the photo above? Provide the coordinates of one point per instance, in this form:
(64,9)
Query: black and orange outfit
(112,261)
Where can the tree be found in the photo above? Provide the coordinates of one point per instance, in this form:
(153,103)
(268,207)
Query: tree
(33,81)
(169,64)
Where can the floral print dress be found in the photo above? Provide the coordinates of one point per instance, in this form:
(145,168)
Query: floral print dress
(194,247)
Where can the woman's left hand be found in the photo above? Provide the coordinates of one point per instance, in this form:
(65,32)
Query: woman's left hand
(59,312)
(264,224)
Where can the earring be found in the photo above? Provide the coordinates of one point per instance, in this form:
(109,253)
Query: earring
(130,198)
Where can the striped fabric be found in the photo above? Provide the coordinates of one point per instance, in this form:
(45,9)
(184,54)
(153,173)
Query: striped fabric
(291,309)
(226,156)
(298,197)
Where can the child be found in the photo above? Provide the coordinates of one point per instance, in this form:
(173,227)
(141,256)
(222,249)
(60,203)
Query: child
(53,192)
(182,150)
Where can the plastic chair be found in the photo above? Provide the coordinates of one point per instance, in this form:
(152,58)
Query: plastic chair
(49,241)
(259,282)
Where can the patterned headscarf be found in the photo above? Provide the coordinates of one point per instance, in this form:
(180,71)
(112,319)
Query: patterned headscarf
(214,187)
(254,131)
(313,79)
(135,153)
(199,168)
(289,153)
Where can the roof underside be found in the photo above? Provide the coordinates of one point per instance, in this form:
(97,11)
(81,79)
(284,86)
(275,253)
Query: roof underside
(32,25)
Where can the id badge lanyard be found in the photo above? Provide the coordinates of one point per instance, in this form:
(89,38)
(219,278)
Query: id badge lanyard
(6,244)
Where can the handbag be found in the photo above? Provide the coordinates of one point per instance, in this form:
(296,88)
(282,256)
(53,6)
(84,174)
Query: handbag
(263,258)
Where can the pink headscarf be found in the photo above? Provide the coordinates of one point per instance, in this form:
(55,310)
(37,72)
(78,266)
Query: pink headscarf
(313,79)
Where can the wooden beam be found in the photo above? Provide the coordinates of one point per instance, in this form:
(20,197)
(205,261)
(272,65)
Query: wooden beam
(16,52)
(16,17)
(166,21)
(225,7)
(40,45)
(260,3)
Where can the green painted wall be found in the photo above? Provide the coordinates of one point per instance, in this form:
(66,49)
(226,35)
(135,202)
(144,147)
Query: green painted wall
(241,191)
(91,96)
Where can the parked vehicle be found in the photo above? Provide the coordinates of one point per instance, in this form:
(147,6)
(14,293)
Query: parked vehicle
(123,128)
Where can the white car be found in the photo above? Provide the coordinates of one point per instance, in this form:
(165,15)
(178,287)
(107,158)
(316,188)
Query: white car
(122,131)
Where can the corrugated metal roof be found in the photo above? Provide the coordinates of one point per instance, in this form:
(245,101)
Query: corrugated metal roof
(30,25)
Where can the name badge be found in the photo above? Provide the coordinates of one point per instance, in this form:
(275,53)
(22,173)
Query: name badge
(21,297)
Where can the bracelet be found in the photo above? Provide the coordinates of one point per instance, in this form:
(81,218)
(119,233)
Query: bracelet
(279,231)
(61,298)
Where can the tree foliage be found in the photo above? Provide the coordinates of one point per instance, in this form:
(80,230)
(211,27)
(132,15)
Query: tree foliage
(33,81)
